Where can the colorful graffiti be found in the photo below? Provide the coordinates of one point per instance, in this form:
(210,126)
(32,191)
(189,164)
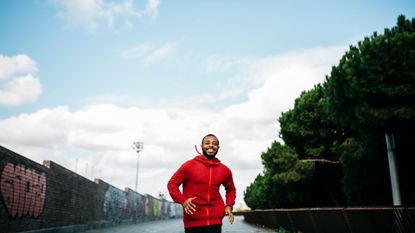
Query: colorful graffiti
(115,204)
(148,208)
(135,206)
(23,191)
(129,205)
(70,199)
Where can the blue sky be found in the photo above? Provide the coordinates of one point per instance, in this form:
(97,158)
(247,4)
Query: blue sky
(76,61)
(91,76)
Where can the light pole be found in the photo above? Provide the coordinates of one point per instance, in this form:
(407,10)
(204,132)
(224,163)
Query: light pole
(390,145)
(138,147)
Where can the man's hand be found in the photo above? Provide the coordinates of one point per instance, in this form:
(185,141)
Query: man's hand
(188,206)
(228,211)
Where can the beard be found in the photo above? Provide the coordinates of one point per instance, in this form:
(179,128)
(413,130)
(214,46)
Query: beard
(209,156)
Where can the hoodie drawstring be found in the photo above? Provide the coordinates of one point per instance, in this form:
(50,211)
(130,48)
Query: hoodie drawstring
(197,150)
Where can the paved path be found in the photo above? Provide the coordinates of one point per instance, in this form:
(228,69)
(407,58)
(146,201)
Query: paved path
(176,226)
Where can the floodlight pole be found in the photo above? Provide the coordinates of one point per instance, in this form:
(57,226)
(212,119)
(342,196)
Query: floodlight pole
(138,147)
(390,144)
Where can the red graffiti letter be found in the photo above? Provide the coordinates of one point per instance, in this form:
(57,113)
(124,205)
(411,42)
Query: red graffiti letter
(23,191)
(7,186)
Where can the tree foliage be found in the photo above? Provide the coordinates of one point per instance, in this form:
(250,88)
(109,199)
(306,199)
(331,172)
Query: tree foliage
(285,180)
(309,127)
(373,86)
(370,91)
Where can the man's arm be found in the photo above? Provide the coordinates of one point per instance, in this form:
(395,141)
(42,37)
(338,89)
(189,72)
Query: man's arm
(230,191)
(230,197)
(178,178)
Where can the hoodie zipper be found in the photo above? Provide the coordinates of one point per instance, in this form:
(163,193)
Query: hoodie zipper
(208,195)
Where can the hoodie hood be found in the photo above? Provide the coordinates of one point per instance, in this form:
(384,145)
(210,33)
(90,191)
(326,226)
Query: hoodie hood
(208,162)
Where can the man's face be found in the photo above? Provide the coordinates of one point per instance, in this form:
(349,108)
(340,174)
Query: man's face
(210,146)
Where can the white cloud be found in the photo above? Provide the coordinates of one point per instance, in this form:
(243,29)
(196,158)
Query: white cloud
(18,81)
(160,53)
(152,8)
(97,139)
(221,63)
(282,78)
(92,14)
(149,53)
(138,51)
(20,64)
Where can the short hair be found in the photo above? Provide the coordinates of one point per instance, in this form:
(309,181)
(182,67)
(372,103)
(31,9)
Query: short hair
(209,135)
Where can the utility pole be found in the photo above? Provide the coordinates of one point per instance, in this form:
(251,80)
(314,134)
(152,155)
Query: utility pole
(138,147)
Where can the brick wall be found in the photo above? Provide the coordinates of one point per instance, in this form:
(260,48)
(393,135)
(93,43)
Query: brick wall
(35,196)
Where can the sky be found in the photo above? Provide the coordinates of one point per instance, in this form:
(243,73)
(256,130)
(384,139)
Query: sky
(81,80)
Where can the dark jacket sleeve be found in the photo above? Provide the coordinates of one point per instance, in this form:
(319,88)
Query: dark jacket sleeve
(178,178)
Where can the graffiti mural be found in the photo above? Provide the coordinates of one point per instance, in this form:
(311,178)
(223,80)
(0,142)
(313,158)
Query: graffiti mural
(115,204)
(23,191)
(35,196)
(148,209)
(155,207)
(135,206)
(164,209)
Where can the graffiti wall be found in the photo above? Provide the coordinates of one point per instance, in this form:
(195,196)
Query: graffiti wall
(35,196)
(115,203)
(135,206)
(23,191)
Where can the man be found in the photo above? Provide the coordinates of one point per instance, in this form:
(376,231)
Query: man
(201,178)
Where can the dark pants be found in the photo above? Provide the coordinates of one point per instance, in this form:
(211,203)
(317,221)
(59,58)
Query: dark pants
(204,229)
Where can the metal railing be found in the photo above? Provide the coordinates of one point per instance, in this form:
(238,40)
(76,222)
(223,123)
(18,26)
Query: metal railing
(337,220)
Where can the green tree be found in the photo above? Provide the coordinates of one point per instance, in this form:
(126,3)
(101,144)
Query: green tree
(365,168)
(311,130)
(288,181)
(309,127)
(372,91)
(285,180)
(374,84)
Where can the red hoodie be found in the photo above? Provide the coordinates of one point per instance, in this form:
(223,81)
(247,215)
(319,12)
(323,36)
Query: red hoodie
(201,178)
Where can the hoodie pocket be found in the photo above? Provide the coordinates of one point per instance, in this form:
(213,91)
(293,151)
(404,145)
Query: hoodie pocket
(218,211)
(198,214)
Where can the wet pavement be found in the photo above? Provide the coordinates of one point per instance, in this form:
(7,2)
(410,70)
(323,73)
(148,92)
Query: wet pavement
(176,226)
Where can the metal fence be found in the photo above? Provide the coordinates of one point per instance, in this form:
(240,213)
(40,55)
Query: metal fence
(336,220)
